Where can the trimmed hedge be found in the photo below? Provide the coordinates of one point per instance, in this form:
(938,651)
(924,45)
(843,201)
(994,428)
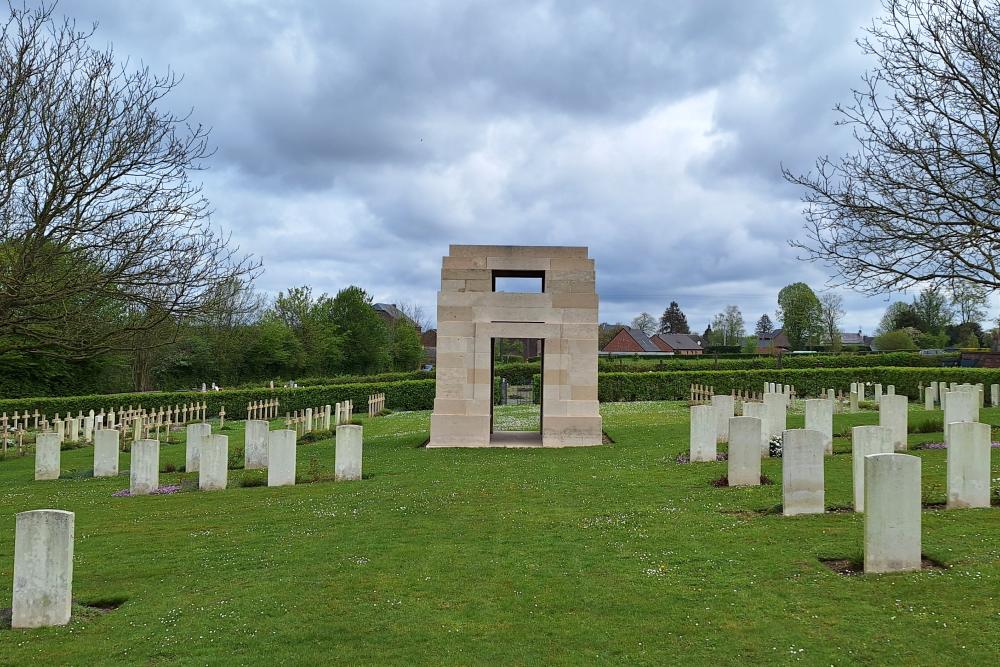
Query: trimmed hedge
(364,379)
(402,395)
(676,386)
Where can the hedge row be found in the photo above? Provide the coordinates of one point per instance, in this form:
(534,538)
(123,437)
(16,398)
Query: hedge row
(520,373)
(807,382)
(401,395)
(364,379)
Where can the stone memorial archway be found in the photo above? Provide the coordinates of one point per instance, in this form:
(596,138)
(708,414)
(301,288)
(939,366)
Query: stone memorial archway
(471,315)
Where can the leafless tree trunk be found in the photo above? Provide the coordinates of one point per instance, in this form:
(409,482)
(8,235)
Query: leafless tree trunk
(919,200)
(103,234)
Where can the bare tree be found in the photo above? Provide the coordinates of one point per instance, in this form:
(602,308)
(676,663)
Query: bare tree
(416,314)
(645,323)
(103,234)
(919,199)
(969,301)
(832,313)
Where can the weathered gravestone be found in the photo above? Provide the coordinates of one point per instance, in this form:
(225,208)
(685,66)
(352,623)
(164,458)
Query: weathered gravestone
(892,513)
(802,480)
(703,433)
(744,451)
(281,458)
(43,568)
(969,465)
(348,453)
(865,441)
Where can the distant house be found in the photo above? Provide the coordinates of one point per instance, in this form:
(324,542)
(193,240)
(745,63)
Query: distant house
(682,344)
(630,340)
(773,343)
(856,340)
(390,314)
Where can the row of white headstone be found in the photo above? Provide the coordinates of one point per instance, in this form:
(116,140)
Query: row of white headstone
(892,496)
(43,539)
(206,454)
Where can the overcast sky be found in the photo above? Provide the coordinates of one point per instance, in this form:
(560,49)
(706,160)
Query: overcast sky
(356,140)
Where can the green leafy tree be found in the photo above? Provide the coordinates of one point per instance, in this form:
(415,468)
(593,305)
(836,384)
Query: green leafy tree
(895,340)
(800,314)
(933,311)
(365,337)
(765,326)
(969,301)
(405,350)
(673,320)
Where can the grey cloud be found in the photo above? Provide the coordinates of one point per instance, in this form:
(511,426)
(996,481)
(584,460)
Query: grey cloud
(358,139)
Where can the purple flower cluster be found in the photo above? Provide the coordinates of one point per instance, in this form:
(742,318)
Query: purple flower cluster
(162,491)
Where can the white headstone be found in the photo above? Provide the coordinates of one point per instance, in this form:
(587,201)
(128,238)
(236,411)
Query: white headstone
(819,417)
(106,447)
(255,444)
(959,406)
(744,451)
(865,441)
(43,568)
(725,409)
(703,433)
(213,468)
(326,417)
(281,458)
(892,414)
(309,420)
(929,398)
(890,390)
(777,413)
(854,401)
(144,467)
(802,480)
(88,428)
(969,465)
(47,455)
(878,392)
(74,429)
(759,410)
(995,395)
(348,454)
(196,434)
(892,513)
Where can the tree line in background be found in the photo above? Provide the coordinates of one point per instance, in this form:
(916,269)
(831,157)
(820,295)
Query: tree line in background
(245,338)
(935,318)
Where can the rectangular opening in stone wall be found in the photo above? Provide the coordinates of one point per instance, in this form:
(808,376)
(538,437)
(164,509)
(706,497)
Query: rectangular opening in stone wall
(519,282)
(517,402)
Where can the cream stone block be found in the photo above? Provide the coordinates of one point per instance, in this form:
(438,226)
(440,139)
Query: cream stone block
(459,329)
(744,451)
(464,262)
(255,444)
(577,264)
(43,569)
(579,393)
(725,409)
(196,434)
(704,433)
(892,414)
(959,406)
(819,417)
(892,515)
(47,456)
(577,315)
(579,331)
(213,472)
(803,485)
(777,413)
(574,300)
(144,467)
(106,447)
(572,431)
(281,454)
(759,411)
(519,263)
(969,465)
(865,441)
(554,252)
(459,431)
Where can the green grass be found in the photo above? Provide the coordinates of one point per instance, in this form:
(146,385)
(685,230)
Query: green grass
(613,554)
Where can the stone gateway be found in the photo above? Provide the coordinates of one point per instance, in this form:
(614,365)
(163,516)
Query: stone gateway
(472,315)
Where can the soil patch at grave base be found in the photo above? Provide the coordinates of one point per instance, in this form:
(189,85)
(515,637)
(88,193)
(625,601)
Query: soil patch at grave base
(724,481)
(606,439)
(80,611)
(850,568)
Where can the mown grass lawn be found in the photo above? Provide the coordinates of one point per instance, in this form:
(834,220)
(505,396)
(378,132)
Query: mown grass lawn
(531,556)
